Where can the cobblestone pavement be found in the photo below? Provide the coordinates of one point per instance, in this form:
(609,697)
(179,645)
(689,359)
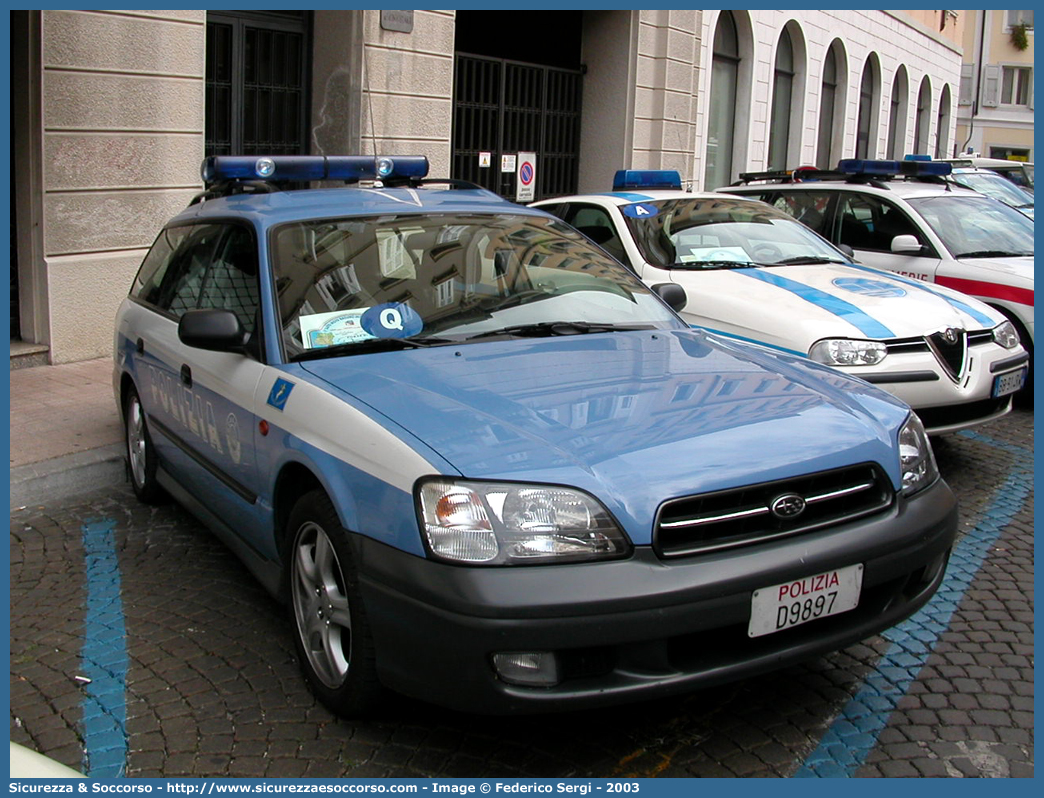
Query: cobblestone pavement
(212,687)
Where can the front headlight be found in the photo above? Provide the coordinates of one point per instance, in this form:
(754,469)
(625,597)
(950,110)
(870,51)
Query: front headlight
(916,460)
(846,352)
(1006,335)
(504,523)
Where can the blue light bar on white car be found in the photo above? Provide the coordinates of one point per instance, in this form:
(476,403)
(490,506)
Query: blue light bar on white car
(910,168)
(646,178)
(218,168)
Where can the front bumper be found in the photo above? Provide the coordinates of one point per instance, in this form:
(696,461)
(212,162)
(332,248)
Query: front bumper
(945,405)
(641,627)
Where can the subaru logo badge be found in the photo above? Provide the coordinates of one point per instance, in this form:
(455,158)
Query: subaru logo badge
(787,506)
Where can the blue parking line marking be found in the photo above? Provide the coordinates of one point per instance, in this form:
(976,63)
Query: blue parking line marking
(103,656)
(853,734)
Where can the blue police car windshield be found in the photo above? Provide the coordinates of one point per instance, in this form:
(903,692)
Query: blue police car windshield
(722,233)
(445,277)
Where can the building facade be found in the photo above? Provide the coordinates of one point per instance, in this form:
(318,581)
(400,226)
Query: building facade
(113,111)
(995,106)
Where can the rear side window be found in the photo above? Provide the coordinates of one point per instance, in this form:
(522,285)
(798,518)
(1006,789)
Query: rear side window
(154,268)
(594,222)
(808,207)
(172,281)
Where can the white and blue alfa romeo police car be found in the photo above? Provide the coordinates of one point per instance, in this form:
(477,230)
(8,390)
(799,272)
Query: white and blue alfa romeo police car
(486,466)
(752,272)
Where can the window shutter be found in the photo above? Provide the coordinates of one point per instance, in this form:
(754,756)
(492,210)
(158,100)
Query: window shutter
(991,85)
(967,73)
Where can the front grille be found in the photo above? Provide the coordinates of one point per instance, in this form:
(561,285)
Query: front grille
(951,348)
(744,516)
(980,337)
(907,345)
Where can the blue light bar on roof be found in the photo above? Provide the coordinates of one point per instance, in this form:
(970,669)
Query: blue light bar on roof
(908,168)
(912,156)
(217,168)
(646,178)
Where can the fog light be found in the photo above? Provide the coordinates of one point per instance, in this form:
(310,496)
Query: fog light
(527,668)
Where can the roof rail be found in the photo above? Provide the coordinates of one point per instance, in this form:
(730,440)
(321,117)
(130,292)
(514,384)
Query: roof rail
(856,170)
(790,175)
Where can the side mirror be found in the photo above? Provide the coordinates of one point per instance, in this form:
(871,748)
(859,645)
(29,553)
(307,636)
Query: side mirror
(215,329)
(671,293)
(907,245)
(847,251)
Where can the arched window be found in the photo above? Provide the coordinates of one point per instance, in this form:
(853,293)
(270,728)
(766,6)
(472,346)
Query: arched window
(897,115)
(721,122)
(942,128)
(827,105)
(782,97)
(864,122)
(923,118)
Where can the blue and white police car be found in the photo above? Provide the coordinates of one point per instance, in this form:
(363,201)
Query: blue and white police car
(486,466)
(754,273)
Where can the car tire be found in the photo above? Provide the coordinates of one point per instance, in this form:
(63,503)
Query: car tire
(141,454)
(332,631)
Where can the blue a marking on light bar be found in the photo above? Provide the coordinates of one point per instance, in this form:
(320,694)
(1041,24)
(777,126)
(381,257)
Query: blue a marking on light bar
(646,178)
(867,325)
(311,167)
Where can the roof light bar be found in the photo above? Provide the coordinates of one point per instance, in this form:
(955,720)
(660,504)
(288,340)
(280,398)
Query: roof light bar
(218,168)
(647,179)
(909,168)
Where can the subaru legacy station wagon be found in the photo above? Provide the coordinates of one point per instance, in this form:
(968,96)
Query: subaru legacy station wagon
(485,466)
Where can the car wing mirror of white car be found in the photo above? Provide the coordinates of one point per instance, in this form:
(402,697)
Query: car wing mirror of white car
(671,293)
(907,245)
(214,329)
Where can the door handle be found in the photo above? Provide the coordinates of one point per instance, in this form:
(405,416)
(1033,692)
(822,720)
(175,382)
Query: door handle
(186,375)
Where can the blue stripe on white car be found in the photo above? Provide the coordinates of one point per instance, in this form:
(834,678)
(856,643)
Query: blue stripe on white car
(981,318)
(867,325)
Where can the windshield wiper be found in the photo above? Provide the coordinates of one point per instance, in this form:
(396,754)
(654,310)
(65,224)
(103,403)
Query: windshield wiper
(370,345)
(552,328)
(718,264)
(805,259)
(992,253)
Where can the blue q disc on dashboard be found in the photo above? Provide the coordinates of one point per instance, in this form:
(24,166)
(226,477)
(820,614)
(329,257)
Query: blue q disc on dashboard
(391,320)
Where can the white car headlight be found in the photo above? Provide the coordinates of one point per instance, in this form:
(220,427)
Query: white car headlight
(916,459)
(846,352)
(503,523)
(1006,335)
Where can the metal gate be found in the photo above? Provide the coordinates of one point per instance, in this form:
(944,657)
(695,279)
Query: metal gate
(506,107)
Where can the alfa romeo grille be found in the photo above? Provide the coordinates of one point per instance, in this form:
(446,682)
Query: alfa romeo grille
(951,348)
(756,513)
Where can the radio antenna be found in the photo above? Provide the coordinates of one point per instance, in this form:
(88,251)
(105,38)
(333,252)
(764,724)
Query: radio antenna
(369,104)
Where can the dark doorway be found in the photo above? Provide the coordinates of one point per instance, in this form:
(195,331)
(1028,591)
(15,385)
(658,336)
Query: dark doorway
(256,83)
(518,93)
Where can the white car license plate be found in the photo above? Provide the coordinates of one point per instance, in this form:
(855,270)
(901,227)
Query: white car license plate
(1008,383)
(779,607)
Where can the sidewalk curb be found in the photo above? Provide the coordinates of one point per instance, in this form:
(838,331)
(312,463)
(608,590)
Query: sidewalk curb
(72,474)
